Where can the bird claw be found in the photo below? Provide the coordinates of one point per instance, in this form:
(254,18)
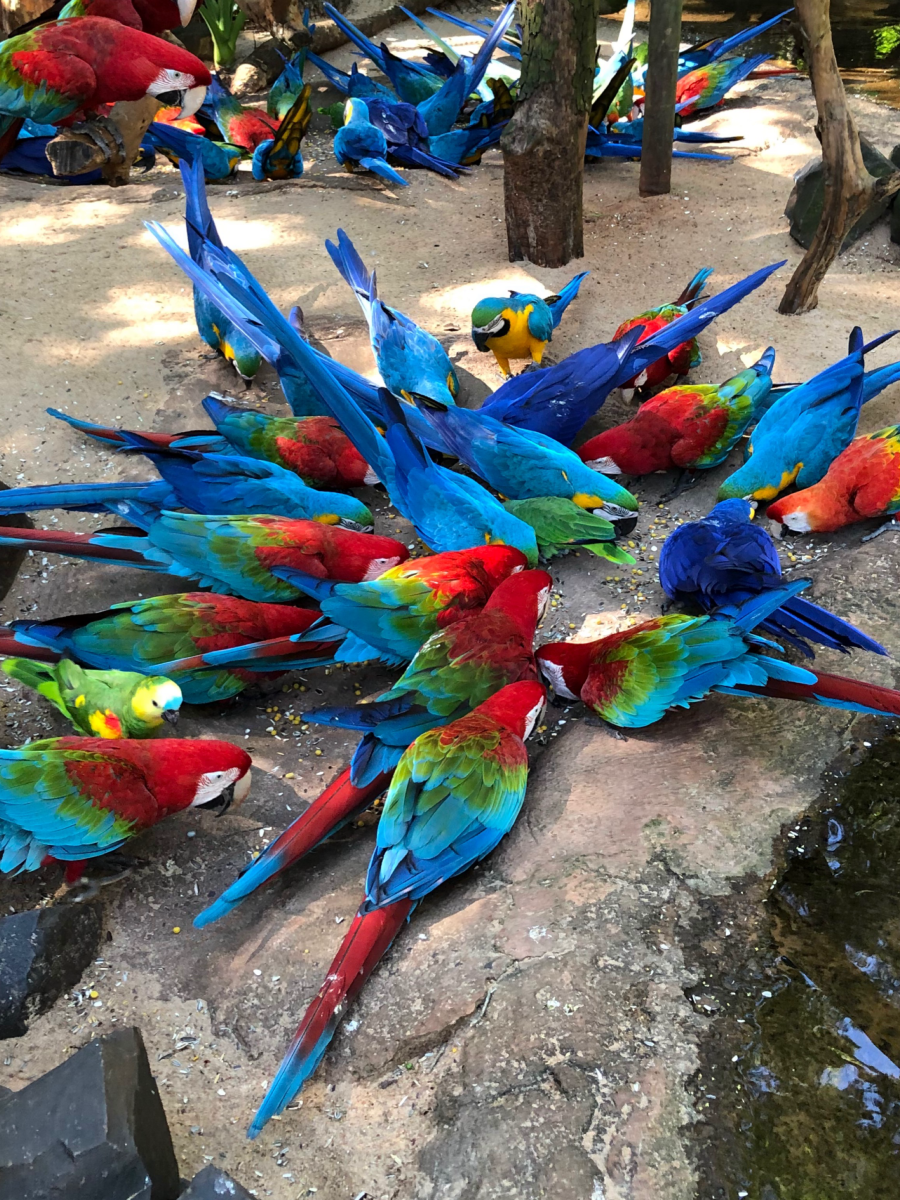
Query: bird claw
(595,722)
(892,524)
(105,134)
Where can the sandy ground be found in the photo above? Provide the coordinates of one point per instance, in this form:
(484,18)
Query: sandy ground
(99,323)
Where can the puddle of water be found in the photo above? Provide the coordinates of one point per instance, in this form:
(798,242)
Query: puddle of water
(800,1094)
(866,38)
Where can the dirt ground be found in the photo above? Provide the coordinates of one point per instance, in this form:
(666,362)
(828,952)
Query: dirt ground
(529,1033)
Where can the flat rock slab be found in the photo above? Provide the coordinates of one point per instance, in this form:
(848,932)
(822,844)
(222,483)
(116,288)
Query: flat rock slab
(42,954)
(213,1184)
(91,1129)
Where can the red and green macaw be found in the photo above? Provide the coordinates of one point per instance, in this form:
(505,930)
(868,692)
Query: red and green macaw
(56,74)
(457,669)
(632,678)
(315,448)
(244,127)
(862,482)
(707,86)
(247,556)
(689,427)
(153,16)
(456,792)
(680,360)
(75,798)
(176,632)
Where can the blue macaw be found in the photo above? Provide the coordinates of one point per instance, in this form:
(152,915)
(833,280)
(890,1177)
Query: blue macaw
(701,54)
(353,83)
(520,464)
(558,400)
(447,58)
(407,137)
(219,159)
(203,483)
(213,326)
(412,81)
(803,432)
(280,157)
(602,144)
(29,154)
(359,143)
(725,559)
(409,359)
(520,325)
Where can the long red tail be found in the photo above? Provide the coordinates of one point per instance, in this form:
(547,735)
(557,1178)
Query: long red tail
(367,940)
(59,541)
(11,647)
(836,691)
(338,804)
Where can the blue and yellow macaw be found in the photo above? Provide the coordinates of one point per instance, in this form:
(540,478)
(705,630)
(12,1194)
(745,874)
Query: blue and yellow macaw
(520,325)
(359,143)
(219,159)
(280,157)
(409,359)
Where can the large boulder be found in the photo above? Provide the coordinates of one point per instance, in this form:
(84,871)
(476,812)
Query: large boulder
(91,1129)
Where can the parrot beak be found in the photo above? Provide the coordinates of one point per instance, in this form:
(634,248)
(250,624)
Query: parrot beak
(499,327)
(346,523)
(191,101)
(171,715)
(186,11)
(624,525)
(223,801)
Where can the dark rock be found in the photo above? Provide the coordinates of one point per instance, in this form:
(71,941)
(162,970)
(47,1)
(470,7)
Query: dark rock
(11,557)
(213,1184)
(91,1129)
(268,56)
(804,206)
(42,954)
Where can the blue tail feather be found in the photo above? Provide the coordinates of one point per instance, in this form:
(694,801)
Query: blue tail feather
(565,297)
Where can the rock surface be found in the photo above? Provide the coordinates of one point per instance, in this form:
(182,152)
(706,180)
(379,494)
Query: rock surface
(213,1184)
(42,954)
(92,1129)
(804,206)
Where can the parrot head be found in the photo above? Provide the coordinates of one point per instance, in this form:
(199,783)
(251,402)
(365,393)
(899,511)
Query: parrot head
(518,707)
(169,73)
(814,510)
(565,666)
(523,597)
(489,321)
(156,699)
(157,15)
(356,112)
(734,510)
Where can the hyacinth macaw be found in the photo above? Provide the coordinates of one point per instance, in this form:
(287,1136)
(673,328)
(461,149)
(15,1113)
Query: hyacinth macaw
(724,559)
(220,484)
(520,464)
(691,427)
(802,433)
(558,400)
(701,54)
(455,670)
(863,482)
(705,87)
(153,16)
(65,71)
(244,127)
(407,137)
(520,325)
(679,360)
(280,157)
(174,632)
(314,448)
(104,704)
(409,359)
(630,679)
(560,526)
(456,792)
(230,554)
(213,326)
(359,143)
(390,617)
(75,798)
(219,159)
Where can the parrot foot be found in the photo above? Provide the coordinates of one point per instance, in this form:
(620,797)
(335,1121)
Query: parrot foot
(683,483)
(892,524)
(108,869)
(105,134)
(595,722)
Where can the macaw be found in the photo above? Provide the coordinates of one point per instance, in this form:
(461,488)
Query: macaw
(105,704)
(407,136)
(68,70)
(231,554)
(412,81)
(560,526)
(682,358)
(280,157)
(454,671)
(521,325)
(75,798)
(244,127)
(705,87)
(692,427)
(153,16)
(29,154)
(175,632)
(701,54)
(314,448)
(520,464)
(862,482)
(359,143)
(623,142)
(456,792)
(631,678)
(494,36)
(724,558)
(219,159)
(632,133)
(558,400)
(289,84)
(169,116)
(390,617)
(211,484)
(802,433)
(466,146)
(408,358)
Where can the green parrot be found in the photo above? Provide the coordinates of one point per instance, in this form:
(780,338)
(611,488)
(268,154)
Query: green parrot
(560,526)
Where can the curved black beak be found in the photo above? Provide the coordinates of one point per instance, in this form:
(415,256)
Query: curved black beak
(480,339)
(625,525)
(171,715)
(223,801)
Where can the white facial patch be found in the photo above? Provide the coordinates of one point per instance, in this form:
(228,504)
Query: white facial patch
(605,466)
(213,783)
(532,719)
(378,566)
(170,81)
(553,673)
(542,598)
(798,521)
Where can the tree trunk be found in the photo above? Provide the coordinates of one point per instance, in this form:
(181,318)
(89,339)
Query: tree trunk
(543,146)
(659,108)
(849,188)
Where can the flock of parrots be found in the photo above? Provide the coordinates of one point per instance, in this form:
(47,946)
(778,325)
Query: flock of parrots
(259,513)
